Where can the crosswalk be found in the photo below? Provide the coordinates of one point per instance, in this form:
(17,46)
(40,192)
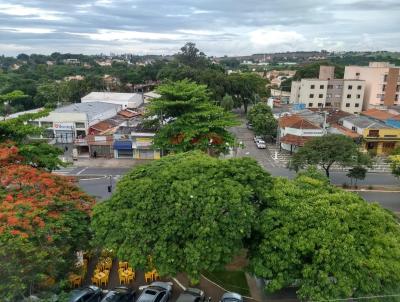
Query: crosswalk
(65,171)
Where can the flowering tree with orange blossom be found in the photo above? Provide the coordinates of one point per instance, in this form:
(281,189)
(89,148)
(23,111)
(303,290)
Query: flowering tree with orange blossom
(44,219)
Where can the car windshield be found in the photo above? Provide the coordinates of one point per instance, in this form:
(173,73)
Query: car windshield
(112,296)
(150,292)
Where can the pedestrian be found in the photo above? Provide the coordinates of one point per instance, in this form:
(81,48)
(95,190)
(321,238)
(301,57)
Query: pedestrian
(66,148)
(95,154)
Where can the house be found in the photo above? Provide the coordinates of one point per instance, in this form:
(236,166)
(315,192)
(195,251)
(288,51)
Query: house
(125,100)
(135,142)
(74,78)
(65,124)
(378,137)
(390,118)
(294,131)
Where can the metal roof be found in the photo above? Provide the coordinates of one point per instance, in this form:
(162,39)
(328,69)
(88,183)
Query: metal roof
(364,122)
(114,97)
(92,109)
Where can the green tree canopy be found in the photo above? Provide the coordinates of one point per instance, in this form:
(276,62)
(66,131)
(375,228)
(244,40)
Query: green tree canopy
(189,120)
(262,119)
(328,150)
(227,102)
(190,212)
(245,87)
(394,161)
(330,243)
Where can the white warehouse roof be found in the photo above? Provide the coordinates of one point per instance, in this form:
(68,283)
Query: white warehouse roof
(92,109)
(132,100)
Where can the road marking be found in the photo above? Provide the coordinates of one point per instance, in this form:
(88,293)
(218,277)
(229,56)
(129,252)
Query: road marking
(179,284)
(81,171)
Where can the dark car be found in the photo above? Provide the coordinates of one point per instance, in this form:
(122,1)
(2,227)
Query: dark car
(231,297)
(120,294)
(156,292)
(191,295)
(86,294)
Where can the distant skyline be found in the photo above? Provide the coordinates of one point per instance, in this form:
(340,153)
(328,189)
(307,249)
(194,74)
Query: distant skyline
(218,27)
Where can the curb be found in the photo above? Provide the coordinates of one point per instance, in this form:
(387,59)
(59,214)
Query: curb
(366,190)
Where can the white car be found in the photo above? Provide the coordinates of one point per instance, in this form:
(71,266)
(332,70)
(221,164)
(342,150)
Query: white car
(261,144)
(257,138)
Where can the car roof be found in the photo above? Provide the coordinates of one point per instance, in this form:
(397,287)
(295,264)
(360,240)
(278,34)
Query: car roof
(189,295)
(76,294)
(164,285)
(232,296)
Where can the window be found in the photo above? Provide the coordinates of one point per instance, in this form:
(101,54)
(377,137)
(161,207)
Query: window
(79,125)
(383,88)
(385,78)
(312,86)
(321,86)
(330,86)
(319,104)
(310,104)
(329,95)
(373,133)
(349,96)
(311,96)
(328,104)
(159,297)
(320,96)
(359,87)
(357,74)
(356,105)
(396,98)
(47,124)
(398,88)
(347,105)
(358,96)
(353,128)
(350,87)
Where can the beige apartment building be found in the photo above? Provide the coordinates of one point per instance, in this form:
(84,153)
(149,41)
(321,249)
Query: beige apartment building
(382,83)
(328,92)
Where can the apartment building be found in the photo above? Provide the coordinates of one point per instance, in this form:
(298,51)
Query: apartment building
(328,92)
(382,83)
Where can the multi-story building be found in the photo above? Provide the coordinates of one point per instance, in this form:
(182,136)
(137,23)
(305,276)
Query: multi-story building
(328,92)
(382,83)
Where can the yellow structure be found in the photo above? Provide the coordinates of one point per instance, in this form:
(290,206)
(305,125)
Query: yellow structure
(381,141)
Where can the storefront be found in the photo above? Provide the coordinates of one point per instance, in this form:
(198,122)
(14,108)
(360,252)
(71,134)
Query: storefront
(123,149)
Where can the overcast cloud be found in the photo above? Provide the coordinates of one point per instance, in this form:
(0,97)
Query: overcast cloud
(218,27)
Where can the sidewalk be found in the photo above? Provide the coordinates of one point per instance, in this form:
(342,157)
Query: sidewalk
(109,162)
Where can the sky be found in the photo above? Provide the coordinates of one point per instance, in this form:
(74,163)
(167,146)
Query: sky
(218,27)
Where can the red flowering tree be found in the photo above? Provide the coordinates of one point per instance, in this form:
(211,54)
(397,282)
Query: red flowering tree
(44,219)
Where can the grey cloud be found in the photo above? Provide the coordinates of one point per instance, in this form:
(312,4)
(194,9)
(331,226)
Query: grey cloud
(216,26)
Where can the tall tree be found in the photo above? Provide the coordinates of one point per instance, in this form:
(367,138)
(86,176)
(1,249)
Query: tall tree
(44,220)
(329,243)
(394,161)
(191,56)
(189,212)
(227,102)
(262,119)
(245,88)
(328,150)
(188,120)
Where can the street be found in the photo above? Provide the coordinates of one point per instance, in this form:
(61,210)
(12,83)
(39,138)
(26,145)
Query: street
(98,177)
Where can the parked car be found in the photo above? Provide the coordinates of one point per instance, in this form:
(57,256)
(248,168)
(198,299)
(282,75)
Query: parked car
(191,295)
(261,144)
(156,292)
(231,297)
(86,294)
(257,138)
(120,294)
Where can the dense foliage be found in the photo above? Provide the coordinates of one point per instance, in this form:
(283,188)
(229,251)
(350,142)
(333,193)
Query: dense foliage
(262,120)
(189,212)
(35,152)
(44,220)
(188,120)
(329,243)
(328,150)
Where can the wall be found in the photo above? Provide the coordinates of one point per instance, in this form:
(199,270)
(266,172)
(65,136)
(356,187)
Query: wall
(354,89)
(306,91)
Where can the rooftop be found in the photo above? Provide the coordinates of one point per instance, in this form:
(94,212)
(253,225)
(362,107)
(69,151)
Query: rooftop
(112,97)
(381,115)
(364,122)
(92,109)
(295,121)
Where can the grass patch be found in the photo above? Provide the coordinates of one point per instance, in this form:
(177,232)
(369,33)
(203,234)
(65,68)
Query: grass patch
(234,281)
